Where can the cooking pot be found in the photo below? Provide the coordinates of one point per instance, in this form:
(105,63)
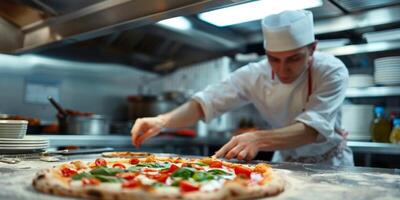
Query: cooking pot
(85,125)
(153,105)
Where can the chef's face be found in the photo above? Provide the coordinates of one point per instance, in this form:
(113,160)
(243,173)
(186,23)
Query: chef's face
(288,65)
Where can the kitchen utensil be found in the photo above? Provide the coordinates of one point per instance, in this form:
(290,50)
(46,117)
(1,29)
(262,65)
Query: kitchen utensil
(85,125)
(58,107)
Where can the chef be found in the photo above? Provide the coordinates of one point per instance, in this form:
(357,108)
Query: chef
(296,89)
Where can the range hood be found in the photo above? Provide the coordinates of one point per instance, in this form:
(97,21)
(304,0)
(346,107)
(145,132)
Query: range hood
(44,23)
(125,31)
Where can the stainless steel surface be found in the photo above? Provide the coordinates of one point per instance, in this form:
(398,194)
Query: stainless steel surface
(128,33)
(125,141)
(91,125)
(116,15)
(373,92)
(78,151)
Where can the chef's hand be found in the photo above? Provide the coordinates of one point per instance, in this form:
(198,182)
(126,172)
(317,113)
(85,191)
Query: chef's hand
(145,128)
(243,147)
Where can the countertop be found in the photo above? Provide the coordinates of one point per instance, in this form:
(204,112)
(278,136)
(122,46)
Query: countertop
(125,141)
(303,181)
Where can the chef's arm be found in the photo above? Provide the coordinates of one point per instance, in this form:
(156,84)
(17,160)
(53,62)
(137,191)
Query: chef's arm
(183,116)
(288,137)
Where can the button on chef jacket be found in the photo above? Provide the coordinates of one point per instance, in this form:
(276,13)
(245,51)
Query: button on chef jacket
(285,104)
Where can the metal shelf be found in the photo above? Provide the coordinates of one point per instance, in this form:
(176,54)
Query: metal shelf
(373,91)
(364,48)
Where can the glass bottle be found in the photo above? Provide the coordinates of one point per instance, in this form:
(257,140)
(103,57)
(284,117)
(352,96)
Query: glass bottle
(380,127)
(395,135)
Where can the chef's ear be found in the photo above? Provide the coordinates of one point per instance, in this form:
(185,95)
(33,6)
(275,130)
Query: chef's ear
(312,47)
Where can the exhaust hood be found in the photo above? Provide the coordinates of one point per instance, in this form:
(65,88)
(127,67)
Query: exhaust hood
(127,32)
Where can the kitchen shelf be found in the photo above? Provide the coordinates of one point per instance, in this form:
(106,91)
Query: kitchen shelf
(364,48)
(373,91)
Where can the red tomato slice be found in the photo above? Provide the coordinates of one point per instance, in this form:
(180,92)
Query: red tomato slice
(90,181)
(67,172)
(131,184)
(100,162)
(149,170)
(241,170)
(159,177)
(173,168)
(119,165)
(216,164)
(134,161)
(187,186)
(127,175)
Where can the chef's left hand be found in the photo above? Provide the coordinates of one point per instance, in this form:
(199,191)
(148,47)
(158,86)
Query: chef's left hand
(243,147)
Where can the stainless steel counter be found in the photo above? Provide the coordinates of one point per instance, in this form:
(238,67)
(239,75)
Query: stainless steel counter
(203,143)
(303,181)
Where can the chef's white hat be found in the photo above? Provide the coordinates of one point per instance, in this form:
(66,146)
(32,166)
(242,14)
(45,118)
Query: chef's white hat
(288,30)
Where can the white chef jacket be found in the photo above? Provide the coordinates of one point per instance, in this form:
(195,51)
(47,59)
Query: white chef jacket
(284,104)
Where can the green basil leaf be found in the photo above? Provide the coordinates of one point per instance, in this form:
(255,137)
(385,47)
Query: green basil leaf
(201,164)
(134,169)
(202,176)
(153,165)
(158,184)
(109,179)
(106,171)
(218,172)
(81,175)
(183,172)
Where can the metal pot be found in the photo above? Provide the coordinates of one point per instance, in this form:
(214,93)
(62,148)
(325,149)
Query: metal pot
(85,125)
(153,105)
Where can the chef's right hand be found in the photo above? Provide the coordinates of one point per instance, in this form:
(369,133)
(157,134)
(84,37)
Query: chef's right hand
(145,128)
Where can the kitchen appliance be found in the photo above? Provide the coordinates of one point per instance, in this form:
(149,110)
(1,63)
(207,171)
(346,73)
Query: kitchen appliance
(85,125)
(153,105)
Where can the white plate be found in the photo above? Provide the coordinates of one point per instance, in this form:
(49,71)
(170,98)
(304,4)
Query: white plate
(24,148)
(14,122)
(388,58)
(27,138)
(23,145)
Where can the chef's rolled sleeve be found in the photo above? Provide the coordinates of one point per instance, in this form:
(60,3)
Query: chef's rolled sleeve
(325,102)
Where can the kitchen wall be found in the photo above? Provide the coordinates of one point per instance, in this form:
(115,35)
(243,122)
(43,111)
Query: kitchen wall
(25,82)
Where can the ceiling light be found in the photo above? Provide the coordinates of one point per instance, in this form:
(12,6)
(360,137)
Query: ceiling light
(254,11)
(176,23)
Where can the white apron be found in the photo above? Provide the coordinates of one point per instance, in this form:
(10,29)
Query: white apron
(314,99)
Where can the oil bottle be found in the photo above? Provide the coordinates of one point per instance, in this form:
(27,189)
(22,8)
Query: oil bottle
(380,127)
(395,135)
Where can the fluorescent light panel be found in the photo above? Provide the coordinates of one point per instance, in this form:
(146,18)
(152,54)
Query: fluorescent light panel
(180,23)
(254,11)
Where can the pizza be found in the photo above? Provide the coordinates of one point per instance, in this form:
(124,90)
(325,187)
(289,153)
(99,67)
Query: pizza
(155,177)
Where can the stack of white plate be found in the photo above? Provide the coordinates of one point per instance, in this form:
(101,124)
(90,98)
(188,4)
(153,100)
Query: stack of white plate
(28,144)
(387,70)
(356,119)
(13,128)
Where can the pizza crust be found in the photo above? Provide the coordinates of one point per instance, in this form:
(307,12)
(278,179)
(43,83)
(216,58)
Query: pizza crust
(125,154)
(51,182)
